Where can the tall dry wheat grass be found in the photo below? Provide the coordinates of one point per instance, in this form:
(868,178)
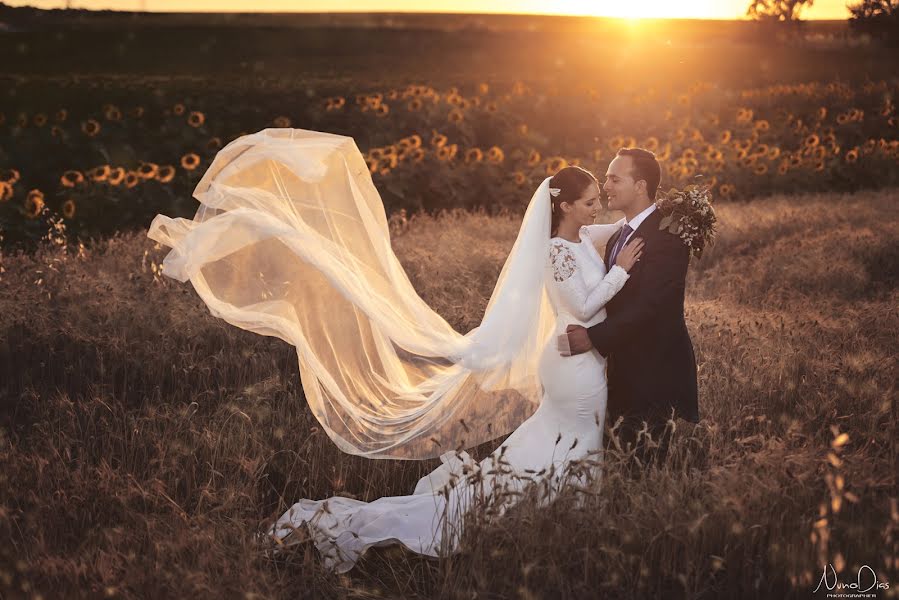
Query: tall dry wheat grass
(144,442)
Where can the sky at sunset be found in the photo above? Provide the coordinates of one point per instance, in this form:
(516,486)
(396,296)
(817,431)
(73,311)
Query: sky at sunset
(703,9)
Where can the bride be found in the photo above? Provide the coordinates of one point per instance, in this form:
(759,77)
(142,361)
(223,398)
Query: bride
(291,240)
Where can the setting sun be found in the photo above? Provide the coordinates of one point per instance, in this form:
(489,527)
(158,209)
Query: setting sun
(654,9)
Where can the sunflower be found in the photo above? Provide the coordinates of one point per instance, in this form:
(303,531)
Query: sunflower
(71,178)
(852,155)
(22,119)
(727,190)
(651,143)
(616,142)
(689,153)
(214,143)
(842,118)
(116,176)
(165,174)
(100,173)
(417,155)
(34,203)
(822,113)
(40,119)
(761,169)
(112,113)
(819,166)
(438,140)
(91,127)
(483,88)
(372,165)
(783,167)
(554,164)
(665,154)
(179,109)
(196,118)
(443,153)
(724,136)
(147,170)
(137,112)
(533,158)
(131,179)
(495,155)
(455,116)
(520,178)
(773,153)
(473,155)
(68,208)
(414,140)
(6,191)
(596,155)
(56,131)
(453,150)
(415,104)
(811,140)
(762,125)
(382,110)
(491,107)
(521,129)
(190,161)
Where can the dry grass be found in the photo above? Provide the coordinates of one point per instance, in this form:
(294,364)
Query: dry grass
(144,442)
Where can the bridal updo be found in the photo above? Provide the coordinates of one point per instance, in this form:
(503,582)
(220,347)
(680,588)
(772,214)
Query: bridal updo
(572,181)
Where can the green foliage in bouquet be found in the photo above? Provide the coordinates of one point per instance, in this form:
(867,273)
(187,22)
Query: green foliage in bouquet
(689,214)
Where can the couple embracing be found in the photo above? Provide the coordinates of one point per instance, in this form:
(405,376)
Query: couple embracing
(586,319)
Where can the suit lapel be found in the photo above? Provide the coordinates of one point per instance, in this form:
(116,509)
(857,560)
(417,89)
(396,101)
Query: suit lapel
(649,225)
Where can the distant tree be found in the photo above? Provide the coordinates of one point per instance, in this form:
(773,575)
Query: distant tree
(777,10)
(877,18)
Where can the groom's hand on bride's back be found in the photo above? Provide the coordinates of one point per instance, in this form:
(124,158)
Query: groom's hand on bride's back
(575,340)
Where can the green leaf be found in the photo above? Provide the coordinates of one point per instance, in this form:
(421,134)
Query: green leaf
(674,228)
(666,221)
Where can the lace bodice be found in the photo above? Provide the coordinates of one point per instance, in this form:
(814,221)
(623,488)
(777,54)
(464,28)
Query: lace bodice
(576,277)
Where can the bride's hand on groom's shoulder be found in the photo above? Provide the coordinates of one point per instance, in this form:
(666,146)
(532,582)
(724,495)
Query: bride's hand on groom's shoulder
(575,340)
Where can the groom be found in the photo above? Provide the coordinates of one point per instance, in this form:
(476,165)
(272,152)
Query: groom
(651,365)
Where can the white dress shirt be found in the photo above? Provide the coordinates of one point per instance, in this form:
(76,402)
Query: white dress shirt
(635,222)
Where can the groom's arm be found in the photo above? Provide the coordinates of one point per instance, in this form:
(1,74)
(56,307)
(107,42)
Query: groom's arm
(664,273)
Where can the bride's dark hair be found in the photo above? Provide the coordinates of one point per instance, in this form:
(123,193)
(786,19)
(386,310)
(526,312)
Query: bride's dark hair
(572,181)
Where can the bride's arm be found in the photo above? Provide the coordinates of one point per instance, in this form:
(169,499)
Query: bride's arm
(600,233)
(576,299)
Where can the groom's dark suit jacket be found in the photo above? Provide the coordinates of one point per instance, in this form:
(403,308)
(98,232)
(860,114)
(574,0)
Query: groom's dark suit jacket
(651,365)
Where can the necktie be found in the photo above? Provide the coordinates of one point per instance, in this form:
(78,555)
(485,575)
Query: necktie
(619,244)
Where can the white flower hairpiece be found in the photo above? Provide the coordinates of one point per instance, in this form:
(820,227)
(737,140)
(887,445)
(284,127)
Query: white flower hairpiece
(555,192)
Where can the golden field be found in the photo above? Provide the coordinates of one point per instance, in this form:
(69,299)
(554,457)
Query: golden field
(144,442)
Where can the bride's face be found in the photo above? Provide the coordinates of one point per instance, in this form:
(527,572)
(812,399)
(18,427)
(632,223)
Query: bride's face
(583,210)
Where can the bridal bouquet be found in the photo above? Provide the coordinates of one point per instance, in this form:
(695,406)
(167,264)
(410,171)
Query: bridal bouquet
(689,213)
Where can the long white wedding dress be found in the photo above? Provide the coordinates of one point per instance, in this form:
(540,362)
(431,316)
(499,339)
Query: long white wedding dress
(566,428)
(291,240)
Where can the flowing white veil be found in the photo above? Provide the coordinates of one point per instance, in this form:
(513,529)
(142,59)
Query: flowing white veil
(291,240)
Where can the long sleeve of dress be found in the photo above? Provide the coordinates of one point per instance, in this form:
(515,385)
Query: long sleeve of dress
(573,294)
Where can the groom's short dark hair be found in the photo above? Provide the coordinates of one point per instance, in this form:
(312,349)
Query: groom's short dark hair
(646,167)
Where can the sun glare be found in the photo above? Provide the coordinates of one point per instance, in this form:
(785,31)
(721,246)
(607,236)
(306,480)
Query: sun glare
(645,9)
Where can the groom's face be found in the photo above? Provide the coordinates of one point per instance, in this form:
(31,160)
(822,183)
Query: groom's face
(620,186)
